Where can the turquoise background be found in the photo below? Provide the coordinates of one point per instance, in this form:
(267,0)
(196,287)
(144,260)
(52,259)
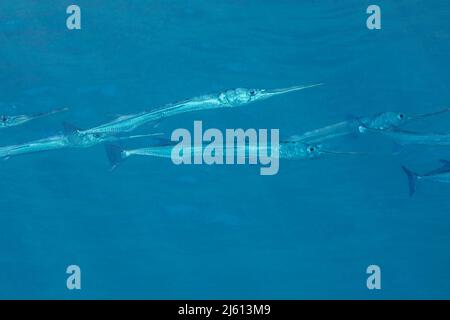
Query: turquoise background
(154,230)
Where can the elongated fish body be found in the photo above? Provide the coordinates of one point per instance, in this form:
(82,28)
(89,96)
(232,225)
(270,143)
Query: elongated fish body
(160,151)
(166,151)
(227,99)
(383,121)
(290,150)
(61,142)
(12,121)
(131,122)
(329,132)
(47,144)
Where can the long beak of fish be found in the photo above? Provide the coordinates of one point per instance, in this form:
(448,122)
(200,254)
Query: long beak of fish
(276,92)
(430,114)
(343,152)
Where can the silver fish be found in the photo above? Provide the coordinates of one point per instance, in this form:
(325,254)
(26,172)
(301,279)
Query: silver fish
(288,150)
(61,142)
(381,121)
(46,144)
(12,121)
(227,99)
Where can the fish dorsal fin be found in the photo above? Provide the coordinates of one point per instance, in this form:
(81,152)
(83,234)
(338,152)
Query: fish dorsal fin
(124,117)
(69,129)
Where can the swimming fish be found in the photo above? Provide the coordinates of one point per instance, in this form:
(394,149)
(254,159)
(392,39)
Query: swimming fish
(61,142)
(12,121)
(46,144)
(226,99)
(441,174)
(357,125)
(288,150)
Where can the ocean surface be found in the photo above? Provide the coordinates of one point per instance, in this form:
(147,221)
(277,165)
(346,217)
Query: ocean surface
(154,230)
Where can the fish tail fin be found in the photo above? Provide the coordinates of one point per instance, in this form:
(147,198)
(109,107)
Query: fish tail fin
(115,154)
(412,180)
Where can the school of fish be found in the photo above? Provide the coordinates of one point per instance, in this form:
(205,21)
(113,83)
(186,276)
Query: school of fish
(307,145)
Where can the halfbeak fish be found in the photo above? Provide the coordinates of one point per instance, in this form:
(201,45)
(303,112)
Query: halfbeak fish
(290,151)
(384,121)
(62,142)
(225,99)
(12,121)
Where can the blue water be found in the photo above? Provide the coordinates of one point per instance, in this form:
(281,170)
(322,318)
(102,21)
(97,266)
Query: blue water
(151,229)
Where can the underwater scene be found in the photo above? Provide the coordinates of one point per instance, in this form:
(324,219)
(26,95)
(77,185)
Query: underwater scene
(224,149)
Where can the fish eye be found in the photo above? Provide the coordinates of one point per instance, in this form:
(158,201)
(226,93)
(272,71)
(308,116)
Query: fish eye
(401,116)
(311,149)
(252,92)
